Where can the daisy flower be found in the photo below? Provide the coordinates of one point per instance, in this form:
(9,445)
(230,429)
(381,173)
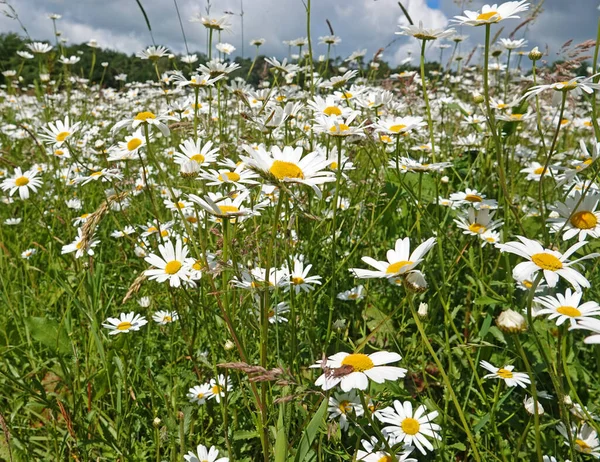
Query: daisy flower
(165,317)
(585,439)
(492,14)
(153,52)
(591,324)
(577,217)
(289,166)
(27,254)
(342,404)
(193,150)
(551,262)
(329,106)
(226,207)
(22,182)
(58,132)
(238,177)
(566,307)
(218,387)
(373,452)
(356,293)
(172,265)
(408,427)
(200,393)
(477,222)
(353,370)
(473,198)
(536,171)
(419,32)
(129,148)
(399,261)
(78,247)
(398,125)
(299,278)
(337,125)
(124,323)
(205,455)
(257,279)
(512,379)
(144,117)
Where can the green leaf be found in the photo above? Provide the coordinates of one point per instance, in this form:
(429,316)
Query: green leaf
(48,333)
(487,322)
(304,449)
(485,300)
(280,438)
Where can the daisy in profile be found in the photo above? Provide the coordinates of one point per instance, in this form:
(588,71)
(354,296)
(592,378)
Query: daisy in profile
(238,177)
(536,171)
(22,182)
(400,260)
(221,207)
(129,148)
(591,324)
(144,117)
(419,32)
(193,150)
(205,455)
(200,393)
(353,370)
(477,222)
(512,379)
(342,404)
(577,217)
(329,106)
(492,14)
(58,132)
(355,294)
(398,125)
(218,387)
(551,262)
(585,439)
(289,166)
(338,125)
(473,198)
(165,317)
(173,265)
(257,278)
(153,52)
(27,254)
(566,307)
(408,427)
(124,323)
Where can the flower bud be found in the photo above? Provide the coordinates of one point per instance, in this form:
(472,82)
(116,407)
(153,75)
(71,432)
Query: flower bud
(478,98)
(535,54)
(414,281)
(530,407)
(189,169)
(156,422)
(511,322)
(229,345)
(422,311)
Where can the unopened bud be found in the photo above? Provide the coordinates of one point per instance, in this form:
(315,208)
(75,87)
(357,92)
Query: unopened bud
(535,54)
(229,345)
(511,322)
(156,422)
(422,311)
(478,98)
(189,169)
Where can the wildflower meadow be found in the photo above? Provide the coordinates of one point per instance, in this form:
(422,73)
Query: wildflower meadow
(302,258)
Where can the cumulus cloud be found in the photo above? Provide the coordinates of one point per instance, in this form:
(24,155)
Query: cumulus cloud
(370,24)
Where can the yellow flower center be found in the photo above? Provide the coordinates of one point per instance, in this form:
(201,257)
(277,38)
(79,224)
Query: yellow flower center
(62,136)
(200,395)
(341,128)
(504,374)
(167,319)
(231,176)
(410,426)
(385,458)
(333,166)
(198,158)
(172,267)
(528,284)
(489,15)
(397,128)
(473,198)
(385,139)
(152,229)
(564,121)
(547,261)
(583,446)
(297,280)
(353,296)
(133,144)
(180,205)
(569,311)
(21,181)
(397,267)
(477,228)
(347,95)
(164,233)
(96,173)
(59,152)
(124,325)
(568,85)
(584,220)
(358,361)
(332,110)
(225,209)
(145,115)
(516,116)
(198,265)
(281,169)
(216,389)
(539,171)
(344,406)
